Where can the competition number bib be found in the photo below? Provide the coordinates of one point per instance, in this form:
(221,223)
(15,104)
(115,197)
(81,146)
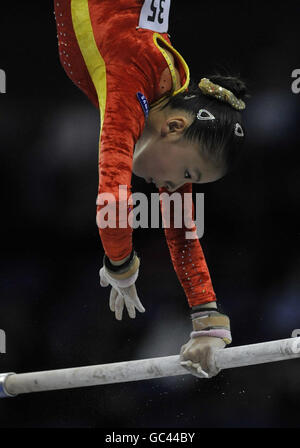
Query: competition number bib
(155,15)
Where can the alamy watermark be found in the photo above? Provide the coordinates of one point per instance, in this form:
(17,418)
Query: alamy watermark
(121,210)
(2,81)
(295,333)
(2,341)
(296,83)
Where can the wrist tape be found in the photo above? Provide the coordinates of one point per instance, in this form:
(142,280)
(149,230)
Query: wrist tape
(125,277)
(211,323)
(121,267)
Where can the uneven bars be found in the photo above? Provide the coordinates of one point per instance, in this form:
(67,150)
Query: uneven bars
(12,384)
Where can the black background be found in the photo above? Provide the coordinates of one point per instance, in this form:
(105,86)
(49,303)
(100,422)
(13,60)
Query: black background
(53,310)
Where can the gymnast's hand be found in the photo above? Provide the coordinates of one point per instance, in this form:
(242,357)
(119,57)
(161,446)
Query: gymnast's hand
(211,332)
(197,355)
(123,291)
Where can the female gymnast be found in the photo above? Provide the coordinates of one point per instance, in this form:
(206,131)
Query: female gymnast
(160,126)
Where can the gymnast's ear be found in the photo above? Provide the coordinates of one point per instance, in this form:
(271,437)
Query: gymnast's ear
(175,126)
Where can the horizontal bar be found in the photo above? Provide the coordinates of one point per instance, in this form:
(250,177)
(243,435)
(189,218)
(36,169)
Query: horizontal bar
(12,384)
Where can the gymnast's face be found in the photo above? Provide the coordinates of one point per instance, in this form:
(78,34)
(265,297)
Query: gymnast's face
(167,159)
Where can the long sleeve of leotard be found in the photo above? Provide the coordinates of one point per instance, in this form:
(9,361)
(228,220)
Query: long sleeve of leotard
(186,253)
(122,124)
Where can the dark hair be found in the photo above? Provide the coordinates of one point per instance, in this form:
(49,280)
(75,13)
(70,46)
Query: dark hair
(217,137)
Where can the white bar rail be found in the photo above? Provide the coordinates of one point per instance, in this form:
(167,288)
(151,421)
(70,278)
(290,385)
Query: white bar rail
(12,384)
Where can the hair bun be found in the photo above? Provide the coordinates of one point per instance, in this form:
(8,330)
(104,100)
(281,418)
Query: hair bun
(232,83)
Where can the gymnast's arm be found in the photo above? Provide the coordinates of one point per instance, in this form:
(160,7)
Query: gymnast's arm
(187,255)
(210,328)
(122,124)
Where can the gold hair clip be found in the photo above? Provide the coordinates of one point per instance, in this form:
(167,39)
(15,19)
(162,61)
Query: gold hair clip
(209,88)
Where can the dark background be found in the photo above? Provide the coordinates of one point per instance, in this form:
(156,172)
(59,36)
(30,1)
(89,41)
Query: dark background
(53,310)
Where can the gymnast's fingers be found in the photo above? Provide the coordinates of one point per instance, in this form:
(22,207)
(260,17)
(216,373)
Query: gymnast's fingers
(103,280)
(119,306)
(112,299)
(131,294)
(194,368)
(130,307)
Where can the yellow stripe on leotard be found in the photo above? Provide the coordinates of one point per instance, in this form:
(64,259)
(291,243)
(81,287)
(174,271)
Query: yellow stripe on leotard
(156,37)
(94,62)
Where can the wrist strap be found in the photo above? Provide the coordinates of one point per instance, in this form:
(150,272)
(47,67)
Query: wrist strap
(113,268)
(125,273)
(217,333)
(211,323)
(197,308)
(201,307)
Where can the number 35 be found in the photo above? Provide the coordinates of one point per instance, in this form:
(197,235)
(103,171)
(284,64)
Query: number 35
(154,11)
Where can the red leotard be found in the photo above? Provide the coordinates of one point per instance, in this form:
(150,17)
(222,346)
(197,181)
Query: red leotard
(111,59)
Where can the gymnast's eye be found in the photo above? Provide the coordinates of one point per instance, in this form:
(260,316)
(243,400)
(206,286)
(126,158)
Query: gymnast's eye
(187,175)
